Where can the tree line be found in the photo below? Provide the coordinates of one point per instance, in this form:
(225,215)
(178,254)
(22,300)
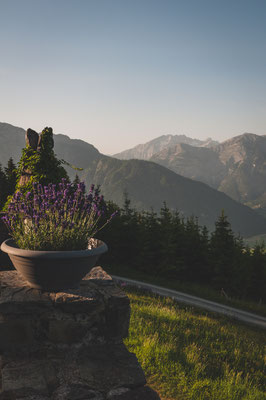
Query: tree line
(170,246)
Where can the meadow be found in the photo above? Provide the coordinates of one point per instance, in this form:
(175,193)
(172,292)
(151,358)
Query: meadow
(189,354)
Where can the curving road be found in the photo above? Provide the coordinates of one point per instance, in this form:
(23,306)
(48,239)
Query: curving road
(247,317)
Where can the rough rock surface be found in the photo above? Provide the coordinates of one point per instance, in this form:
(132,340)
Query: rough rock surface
(32,138)
(67,345)
(25,177)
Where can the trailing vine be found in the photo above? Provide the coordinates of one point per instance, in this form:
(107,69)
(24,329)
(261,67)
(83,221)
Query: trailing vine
(40,165)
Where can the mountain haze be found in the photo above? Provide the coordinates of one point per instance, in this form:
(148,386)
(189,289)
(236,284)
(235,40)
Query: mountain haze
(236,167)
(198,163)
(147,150)
(12,140)
(245,160)
(147,183)
(74,151)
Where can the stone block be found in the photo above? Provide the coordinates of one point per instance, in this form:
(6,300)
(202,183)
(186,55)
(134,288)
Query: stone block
(77,392)
(67,345)
(97,309)
(23,378)
(140,393)
(98,368)
(15,333)
(117,315)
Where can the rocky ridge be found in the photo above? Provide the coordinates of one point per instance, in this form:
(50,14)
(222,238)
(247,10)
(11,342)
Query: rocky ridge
(236,167)
(146,150)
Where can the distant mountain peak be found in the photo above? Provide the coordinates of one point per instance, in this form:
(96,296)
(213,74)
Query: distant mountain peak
(146,150)
(243,138)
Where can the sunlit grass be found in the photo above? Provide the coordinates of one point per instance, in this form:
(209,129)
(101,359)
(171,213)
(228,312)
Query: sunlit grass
(190,354)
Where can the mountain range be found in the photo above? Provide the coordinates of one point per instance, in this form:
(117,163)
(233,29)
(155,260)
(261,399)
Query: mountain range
(147,183)
(147,150)
(236,167)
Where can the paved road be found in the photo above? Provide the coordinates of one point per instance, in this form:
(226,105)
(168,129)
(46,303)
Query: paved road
(252,319)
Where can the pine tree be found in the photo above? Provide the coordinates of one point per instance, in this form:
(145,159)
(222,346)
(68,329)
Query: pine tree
(167,242)
(179,240)
(192,249)
(225,255)
(151,242)
(127,211)
(3,187)
(129,237)
(257,281)
(205,268)
(11,176)
(76,181)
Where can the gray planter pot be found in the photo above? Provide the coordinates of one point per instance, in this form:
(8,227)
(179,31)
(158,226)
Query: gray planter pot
(53,270)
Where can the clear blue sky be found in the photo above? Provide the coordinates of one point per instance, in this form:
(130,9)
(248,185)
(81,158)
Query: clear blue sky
(121,72)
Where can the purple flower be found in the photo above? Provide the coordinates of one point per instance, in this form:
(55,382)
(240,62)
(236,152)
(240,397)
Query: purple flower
(6,220)
(17,196)
(28,195)
(114,214)
(56,209)
(92,188)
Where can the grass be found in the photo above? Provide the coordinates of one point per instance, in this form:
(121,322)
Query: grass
(195,289)
(188,354)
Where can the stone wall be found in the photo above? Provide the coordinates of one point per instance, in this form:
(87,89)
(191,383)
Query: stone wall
(67,345)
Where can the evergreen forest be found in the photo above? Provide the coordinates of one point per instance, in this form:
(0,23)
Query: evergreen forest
(167,245)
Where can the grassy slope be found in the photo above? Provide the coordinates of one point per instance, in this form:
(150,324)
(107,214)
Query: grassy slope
(190,354)
(206,292)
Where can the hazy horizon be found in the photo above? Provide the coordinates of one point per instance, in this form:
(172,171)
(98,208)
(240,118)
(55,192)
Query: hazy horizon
(120,73)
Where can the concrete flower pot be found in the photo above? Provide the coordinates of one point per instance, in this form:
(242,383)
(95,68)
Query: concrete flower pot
(53,270)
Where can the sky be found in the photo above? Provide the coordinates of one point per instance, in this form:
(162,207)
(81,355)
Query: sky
(117,73)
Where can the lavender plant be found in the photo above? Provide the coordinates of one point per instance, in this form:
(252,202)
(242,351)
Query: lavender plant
(55,218)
